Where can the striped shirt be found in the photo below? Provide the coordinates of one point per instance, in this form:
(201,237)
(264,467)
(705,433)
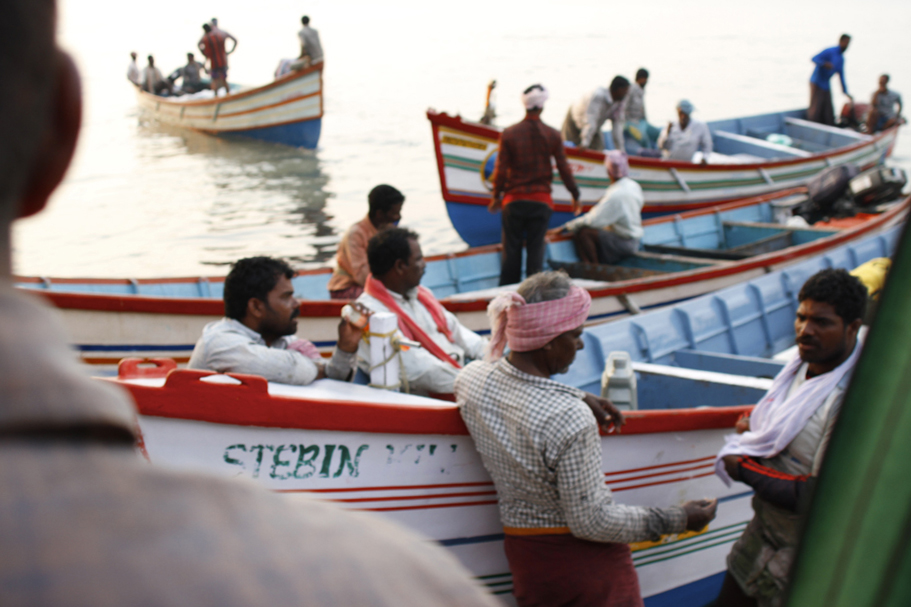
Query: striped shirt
(540,443)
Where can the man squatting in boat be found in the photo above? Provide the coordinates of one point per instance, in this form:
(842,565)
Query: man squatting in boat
(566,539)
(84,520)
(522,181)
(781,447)
(257,334)
(384,205)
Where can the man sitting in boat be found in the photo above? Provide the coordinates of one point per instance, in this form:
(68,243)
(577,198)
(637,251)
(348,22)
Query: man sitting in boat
(611,230)
(883,112)
(682,139)
(396,268)
(191,75)
(582,126)
(639,134)
(133,70)
(257,334)
(566,539)
(351,267)
(780,452)
(311,49)
(152,81)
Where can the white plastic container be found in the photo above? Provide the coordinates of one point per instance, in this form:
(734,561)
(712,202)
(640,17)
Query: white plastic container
(386,374)
(618,383)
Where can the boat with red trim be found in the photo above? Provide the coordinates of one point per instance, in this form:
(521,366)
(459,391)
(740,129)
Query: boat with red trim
(411,459)
(288,110)
(749,159)
(683,256)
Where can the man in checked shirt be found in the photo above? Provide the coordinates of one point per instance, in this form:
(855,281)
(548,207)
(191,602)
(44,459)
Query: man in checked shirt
(566,538)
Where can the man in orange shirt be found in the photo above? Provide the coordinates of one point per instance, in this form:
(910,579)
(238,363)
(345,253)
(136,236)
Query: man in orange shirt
(351,267)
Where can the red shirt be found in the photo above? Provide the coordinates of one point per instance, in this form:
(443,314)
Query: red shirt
(213,47)
(523,170)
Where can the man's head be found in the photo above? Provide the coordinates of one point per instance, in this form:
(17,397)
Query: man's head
(831,310)
(214,22)
(133,55)
(190,58)
(385,203)
(558,353)
(884,81)
(642,77)
(843,42)
(619,87)
(206,28)
(395,259)
(305,20)
(534,98)
(684,109)
(151,60)
(40,112)
(258,293)
(617,164)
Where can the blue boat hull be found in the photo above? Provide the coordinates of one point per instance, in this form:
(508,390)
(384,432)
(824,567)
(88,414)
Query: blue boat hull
(303,134)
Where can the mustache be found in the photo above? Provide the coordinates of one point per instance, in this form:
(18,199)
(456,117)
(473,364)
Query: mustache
(295,313)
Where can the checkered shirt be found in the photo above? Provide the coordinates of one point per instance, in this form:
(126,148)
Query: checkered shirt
(540,443)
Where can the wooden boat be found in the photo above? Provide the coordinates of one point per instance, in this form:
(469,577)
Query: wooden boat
(288,110)
(411,459)
(466,153)
(698,252)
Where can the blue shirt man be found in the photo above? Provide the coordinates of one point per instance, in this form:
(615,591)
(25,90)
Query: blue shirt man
(829,62)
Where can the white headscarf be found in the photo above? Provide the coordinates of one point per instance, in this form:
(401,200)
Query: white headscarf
(536,97)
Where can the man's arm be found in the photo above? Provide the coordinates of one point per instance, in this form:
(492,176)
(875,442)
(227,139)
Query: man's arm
(706,144)
(232,353)
(822,59)
(786,491)
(465,338)
(504,158)
(595,115)
(233,39)
(566,173)
(617,126)
(357,255)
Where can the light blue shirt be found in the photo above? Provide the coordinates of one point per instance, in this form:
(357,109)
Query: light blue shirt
(822,74)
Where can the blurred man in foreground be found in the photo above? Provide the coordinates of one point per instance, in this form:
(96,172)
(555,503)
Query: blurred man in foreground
(84,520)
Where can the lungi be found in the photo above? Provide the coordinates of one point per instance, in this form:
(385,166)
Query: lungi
(821,109)
(551,570)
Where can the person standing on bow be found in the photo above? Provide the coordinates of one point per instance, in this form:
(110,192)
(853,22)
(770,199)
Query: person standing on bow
(566,538)
(828,62)
(394,285)
(611,230)
(522,186)
(212,45)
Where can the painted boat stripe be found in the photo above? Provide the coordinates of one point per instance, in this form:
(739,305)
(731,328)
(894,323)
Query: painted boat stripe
(665,473)
(665,482)
(452,505)
(686,542)
(479,539)
(401,487)
(401,498)
(729,498)
(681,463)
(701,548)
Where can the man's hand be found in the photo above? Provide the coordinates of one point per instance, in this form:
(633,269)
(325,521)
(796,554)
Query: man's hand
(743,424)
(731,465)
(609,417)
(495,205)
(577,207)
(827,65)
(349,336)
(699,513)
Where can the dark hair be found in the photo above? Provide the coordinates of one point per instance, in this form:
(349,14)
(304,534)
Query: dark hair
(618,83)
(387,247)
(207,27)
(305,20)
(252,277)
(382,198)
(533,87)
(641,73)
(845,36)
(28,77)
(845,293)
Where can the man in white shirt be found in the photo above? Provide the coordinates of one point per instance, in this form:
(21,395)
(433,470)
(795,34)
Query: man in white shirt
(582,126)
(682,139)
(152,81)
(133,70)
(310,44)
(396,267)
(611,230)
(639,133)
(257,334)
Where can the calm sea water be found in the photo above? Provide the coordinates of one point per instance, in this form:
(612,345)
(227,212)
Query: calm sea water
(144,200)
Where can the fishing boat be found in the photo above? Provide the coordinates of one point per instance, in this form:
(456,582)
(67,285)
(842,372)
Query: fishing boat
(745,163)
(410,459)
(684,256)
(288,110)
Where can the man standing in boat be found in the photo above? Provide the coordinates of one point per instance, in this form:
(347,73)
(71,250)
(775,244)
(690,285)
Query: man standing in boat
(394,285)
(582,126)
(781,446)
(257,335)
(84,518)
(522,186)
(133,70)
(351,267)
(828,62)
(311,49)
(212,45)
(566,539)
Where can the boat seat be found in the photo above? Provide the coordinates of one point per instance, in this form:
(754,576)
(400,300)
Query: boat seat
(818,137)
(731,143)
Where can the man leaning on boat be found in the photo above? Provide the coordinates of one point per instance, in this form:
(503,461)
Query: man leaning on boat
(566,539)
(257,334)
(780,450)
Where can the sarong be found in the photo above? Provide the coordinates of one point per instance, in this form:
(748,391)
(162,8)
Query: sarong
(549,570)
(821,109)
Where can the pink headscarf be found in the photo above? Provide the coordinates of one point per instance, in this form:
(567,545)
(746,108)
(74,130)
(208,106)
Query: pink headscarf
(530,326)
(617,161)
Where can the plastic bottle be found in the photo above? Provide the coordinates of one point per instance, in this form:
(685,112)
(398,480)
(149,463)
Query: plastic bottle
(618,383)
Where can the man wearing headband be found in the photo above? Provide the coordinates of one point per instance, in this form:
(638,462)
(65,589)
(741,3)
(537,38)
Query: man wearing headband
(566,538)
(612,229)
(780,449)
(585,118)
(682,139)
(521,186)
